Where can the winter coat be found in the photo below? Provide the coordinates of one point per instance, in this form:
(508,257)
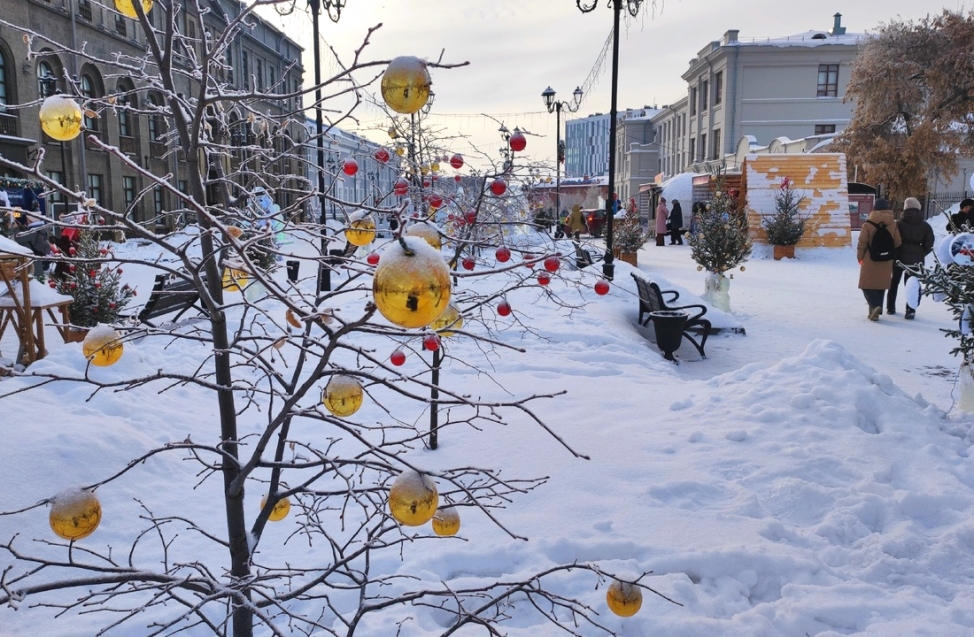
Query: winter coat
(958,220)
(662,214)
(876,275)
(576,220)
(917,237)
(35,237)
(676,216)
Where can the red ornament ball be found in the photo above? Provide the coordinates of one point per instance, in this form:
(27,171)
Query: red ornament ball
(602,287)
(503,254)
(518,142)
(468,264)
(436,201)
(72,251)
(103,251)
(52,284)
(504,308)
(543,279)
(349,166)
(398,358)
(373,258)
(457,162)
(551,264)
(382,155)
(401,188)
(471,217)
(426,183)
(431,342)
(498,187)
(457,178)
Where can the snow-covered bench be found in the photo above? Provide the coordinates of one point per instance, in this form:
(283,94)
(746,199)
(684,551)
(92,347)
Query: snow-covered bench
(651,300)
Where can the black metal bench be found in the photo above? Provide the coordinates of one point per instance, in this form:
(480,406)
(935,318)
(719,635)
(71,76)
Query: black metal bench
(584,258)
(170,294)
(651,299)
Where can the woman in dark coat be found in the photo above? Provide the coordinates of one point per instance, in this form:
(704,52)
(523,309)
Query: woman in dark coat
(676,224)
(917,243)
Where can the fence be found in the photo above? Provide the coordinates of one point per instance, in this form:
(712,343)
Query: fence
(936,202)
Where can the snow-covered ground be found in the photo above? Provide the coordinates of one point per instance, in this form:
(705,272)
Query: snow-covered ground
(810,478)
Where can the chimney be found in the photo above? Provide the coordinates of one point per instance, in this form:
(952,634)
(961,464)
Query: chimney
(730,36)
(837,28)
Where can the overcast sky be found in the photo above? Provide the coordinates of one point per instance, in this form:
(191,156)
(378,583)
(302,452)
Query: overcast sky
(516,48)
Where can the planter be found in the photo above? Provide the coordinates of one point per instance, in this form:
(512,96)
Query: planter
(669,331)
(75,334)
(628,257)
(784,252)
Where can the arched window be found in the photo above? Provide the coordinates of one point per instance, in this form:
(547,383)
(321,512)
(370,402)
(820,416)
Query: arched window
(124,101)
(156,123)
(46,80)
(5,91)
(88,90)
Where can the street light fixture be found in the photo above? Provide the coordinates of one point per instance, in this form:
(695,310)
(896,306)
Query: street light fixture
(632,6)
(554,106)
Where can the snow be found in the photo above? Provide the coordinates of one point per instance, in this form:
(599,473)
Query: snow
(813,477)
(41,295)
(9,246)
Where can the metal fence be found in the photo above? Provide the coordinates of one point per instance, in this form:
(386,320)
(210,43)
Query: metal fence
(936,202)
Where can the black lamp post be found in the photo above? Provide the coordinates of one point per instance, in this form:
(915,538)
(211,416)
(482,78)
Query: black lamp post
(554,106)
(632,6)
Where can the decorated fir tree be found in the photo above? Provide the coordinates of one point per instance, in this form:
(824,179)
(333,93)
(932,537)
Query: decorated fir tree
(721,243)
(99,295)
(628,234)
(786,225)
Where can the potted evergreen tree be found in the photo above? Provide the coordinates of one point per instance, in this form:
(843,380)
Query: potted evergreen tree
(628,238)
(720,243)
(786,226)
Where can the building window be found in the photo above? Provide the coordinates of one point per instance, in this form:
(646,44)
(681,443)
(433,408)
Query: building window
(718,88)
(4,89)
(84,9)
(94,188)
(157,201)
(120,27)
(703,147)
(46,80)
(693,100)
(155,120)
(259,72)
(828,80)
(824,129)
(88,90)
(693,149)
(718,152)
(703,95)
(245,68)
(128,191)
(55,200)
(228,60)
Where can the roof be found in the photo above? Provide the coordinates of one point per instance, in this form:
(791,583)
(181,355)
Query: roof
(806,38)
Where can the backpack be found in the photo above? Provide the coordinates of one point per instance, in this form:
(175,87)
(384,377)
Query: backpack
(882,247)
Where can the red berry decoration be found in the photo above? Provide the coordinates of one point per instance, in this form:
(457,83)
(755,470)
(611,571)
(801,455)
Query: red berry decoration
(103,251)
(457,178)
(503,254)
(426,183)
(92,272)
(400,188)
(431,342)
(471,217)
(72,268)
(468,264)
(498,187)
(551,264)
(543,279)
(120,271)
(504,308)
(397,358)
(518,142)
(436,201)
(382,155)
(72,251)
(373,258)
(97,284)
(52,284)
(528,260)
(349,166)
(602,287)
(457,162)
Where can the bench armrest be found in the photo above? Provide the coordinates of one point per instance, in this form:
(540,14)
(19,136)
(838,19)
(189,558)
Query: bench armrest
(695,317)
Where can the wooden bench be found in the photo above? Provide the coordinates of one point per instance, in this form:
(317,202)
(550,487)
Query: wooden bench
(170,294)
(651,299)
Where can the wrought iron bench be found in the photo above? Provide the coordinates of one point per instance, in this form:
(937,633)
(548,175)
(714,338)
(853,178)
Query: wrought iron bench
(651,299)
(584,258)
(170,294)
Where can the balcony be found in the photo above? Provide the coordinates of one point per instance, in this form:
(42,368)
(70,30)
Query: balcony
(84,9)
(8,124)
(127,145)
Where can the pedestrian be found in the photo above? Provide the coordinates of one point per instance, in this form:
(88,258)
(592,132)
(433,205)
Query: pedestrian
(676,224)
(34,235)
(875,275)
(576,222)
(917,236)
(662,215)
(965,217)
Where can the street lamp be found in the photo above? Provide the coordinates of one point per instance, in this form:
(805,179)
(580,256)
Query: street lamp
(632,6)
(554,106)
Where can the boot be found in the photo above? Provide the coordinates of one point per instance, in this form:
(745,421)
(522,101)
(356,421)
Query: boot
(910,313)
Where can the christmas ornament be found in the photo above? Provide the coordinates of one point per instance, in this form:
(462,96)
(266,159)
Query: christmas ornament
(413,498)
(373,258)
(397,358)
(448,322)
(518,142)
(426,184)
(361,228)
(75,514)
(470,217)
(602,287)
(456,161)
(427,232)
(381,155)
(393,133)
(400,151)
(61,118)
(424,169)
(350,167)
(127,8)
(504,308)
(446,521)
(411,285)
(406,85)
(435,166)
(280,510)
(624,599)
(400,188)
(543,279)
(343,395)
(551,264)
(503,254)
(102,346)
(431,342)
(468,264)
(457,178)
(436,201)
(498,187)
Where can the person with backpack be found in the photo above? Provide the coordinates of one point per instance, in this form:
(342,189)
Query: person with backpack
(878,240)
(917,243)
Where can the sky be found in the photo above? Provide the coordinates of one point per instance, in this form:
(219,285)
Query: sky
(517,49)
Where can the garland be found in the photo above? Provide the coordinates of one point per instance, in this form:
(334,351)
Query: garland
(13,183)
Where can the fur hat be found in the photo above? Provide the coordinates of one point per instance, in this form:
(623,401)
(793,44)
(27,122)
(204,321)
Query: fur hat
(966,203)
(911,203)
(881,204)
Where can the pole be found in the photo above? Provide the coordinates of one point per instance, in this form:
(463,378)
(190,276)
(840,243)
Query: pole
(324,273)
(434,395)
(557,161)
(608,267)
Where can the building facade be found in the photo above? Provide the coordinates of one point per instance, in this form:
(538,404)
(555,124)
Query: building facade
(587,146)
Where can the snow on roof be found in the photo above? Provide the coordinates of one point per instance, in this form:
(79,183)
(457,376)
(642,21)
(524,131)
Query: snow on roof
(807,38)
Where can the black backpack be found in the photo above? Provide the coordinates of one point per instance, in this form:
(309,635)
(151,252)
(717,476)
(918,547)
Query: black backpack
(882,247)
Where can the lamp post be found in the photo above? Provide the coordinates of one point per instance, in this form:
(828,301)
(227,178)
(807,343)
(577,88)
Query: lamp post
(555,106)
(632,6)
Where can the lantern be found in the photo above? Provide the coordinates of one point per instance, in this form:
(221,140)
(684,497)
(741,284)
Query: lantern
(411,285)
(413,498)
(382,155)
(446,521)
(350,167)
(426,231)
(498,187)
(342,395)
(361,229)
(102,346)
(61,118)
(456,161)
(400,188)
(449,321)
(624,599)
(406,84)
(280,510)
(517,141)
(75,514)
(127,8)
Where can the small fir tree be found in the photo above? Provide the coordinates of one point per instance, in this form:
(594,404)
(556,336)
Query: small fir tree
(99,295)
(786,225)
(721,242)
(628,233)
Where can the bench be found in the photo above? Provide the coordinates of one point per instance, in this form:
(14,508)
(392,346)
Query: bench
(651,299)
(175,295)
(584,258)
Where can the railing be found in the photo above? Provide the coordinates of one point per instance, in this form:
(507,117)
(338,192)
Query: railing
(120,27)
(127,145)
(84,9)
(8,124)
(157,150)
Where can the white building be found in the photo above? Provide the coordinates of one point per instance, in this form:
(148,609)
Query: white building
(587,146)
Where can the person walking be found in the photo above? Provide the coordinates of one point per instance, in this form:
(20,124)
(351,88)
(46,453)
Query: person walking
(676,224)
(965,217)
(576,222)
(875,275)
(917,243)
(662,214)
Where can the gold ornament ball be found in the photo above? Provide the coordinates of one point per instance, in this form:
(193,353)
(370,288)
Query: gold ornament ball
(280,510)
(61,118)
(413,498)
(624,599)
(446,521)
(449,321)
(435,167)
(234,280)
(75,514)
(411,289)
(127,8)
(400,151)
(361,231)
(406,84)
(342,395)
(102,346)
(426,232)
(393,133)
